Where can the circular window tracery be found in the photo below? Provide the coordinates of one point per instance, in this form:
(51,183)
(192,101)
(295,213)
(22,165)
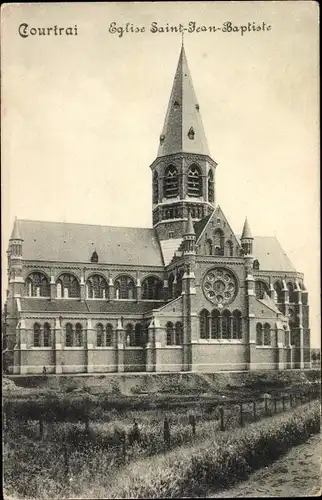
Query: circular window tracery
(220,286)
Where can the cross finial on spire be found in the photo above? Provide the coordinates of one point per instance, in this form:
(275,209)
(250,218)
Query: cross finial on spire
(182,38)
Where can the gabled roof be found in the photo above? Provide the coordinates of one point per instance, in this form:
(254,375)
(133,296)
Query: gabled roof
(182,116)
(70,242)
(268,302)
(270,255)
(200,225)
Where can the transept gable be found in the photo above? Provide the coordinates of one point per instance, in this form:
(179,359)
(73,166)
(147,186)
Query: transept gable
(216,237)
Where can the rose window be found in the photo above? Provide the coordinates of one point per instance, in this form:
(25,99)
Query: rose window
(219,286)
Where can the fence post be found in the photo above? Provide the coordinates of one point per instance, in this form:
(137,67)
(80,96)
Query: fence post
(166,433)
(241,420)
(86,424)
(291,402)
(266,407)
(309,395)
(124,447)
(222,425)
(41,428)
(193,424)
(275,405)
(66,464)
(254,410)
(283,400)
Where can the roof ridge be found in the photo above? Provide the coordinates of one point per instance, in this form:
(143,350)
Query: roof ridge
(82,224)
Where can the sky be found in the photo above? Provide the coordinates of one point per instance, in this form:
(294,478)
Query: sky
(82,115)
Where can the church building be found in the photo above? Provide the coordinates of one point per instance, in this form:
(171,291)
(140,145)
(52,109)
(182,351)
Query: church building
(187,294)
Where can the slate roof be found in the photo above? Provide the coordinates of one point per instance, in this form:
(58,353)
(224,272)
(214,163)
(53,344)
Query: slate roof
(182,115)
(86,306)
(246,234)
(70,242)
(169,247)
(270,255)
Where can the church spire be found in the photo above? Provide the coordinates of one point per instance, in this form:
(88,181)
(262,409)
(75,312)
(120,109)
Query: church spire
(183,130)
(247,234)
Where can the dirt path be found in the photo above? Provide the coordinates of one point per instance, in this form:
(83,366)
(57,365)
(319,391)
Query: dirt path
(296,474)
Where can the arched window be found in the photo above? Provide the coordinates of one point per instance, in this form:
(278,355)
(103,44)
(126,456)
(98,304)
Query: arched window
(96,287)
(179,283)
(260,288)
(152,288)
(219,242)
(47,335)
(37,285)
(215,324)
(79,335)
(259,334)
(69,335)
(109,334)
(267,334)
(204,324)
(155,187)
(37,341)
(138,335)
(170,286)
(179,333)
(169,328)
(170,188)
(226,325)
(59,290)
(292,295)
(209,249)
(99,335)
(256,265)
(211,190)
(279,292)
(194,181)
(129,334)
(125,288)
(237,325)
(229,249)
(69,285)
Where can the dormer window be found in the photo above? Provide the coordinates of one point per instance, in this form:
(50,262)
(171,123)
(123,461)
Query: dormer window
(176,104)
(94,257)
(162,137)
(197,107)
(191,134)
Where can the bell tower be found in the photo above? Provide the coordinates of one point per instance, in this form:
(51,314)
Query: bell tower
(183,173)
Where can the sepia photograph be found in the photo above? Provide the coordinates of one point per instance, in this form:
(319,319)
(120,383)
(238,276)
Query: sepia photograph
(161,321)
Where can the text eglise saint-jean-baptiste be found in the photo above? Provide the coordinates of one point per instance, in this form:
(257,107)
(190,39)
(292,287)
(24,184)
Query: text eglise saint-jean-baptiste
(25,30)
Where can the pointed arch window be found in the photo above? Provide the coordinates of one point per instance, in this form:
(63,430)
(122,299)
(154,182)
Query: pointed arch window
(125,288)
(194,181)
(256,265)
(171,184)
(191,134)
(219,242)
(215,324)
(37,285)
(109,334)
(138,335)
(37,334)
(170,333)
(79,335)
(47,335)
(69,335)
(211,187)
(260,288)
(226,325)
(99,335)
(292,295)
(204,324)
(259,334)
(179,333)
(267,334)
(96,287)
(155,187)
(209,247)
(279,292)
(237,325)
(94,257)
(152,288)
(69,286)
(229,249)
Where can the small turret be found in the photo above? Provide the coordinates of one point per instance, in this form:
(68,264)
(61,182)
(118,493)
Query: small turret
(247,239)
(15,242)
(189,237)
